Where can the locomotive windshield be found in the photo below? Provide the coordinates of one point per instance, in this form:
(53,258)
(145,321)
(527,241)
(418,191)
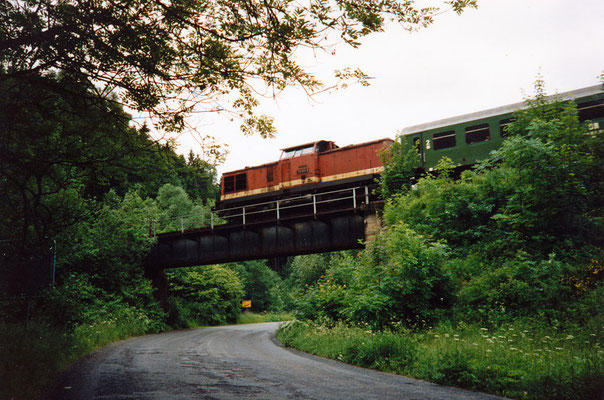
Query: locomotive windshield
(309,148)
(289,153)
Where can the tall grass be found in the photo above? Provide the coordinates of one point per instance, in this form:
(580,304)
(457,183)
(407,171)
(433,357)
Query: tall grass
(513,361)
(31,355)
(255,318)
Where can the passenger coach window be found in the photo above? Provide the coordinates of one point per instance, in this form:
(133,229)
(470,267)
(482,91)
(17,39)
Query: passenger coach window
(591,110)
(503,126)
(477,133)
(417,143)
(443,140)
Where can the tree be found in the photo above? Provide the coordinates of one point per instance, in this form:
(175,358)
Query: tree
(204,295)
(60,151)
(524,228)
(400,162)
(57,150)
(173,58)
(260,284)
(555,165)
(61,155)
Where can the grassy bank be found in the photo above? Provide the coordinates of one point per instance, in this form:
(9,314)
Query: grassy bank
(516,361)
(256,318)
(31,355)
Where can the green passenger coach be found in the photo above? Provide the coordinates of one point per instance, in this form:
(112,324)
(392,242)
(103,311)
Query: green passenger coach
(469,138)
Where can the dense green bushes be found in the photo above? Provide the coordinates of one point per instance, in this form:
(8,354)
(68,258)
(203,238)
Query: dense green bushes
(208,295)
(491,282)
(517,237)
(398,278)
(261,285)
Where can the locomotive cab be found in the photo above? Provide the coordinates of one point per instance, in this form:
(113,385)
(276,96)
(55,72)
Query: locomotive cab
(300,164)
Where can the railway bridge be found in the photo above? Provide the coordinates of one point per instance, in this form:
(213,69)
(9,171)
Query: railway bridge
(312,223)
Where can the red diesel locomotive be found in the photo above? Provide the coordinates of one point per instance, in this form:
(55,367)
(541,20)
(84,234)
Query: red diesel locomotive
(305,169)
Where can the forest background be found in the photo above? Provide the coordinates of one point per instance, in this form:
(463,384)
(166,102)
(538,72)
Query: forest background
(491,282)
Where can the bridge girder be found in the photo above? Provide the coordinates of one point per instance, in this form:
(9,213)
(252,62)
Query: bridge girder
(238,243)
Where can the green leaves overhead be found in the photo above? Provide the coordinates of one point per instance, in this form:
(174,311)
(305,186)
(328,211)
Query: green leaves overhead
(171,58)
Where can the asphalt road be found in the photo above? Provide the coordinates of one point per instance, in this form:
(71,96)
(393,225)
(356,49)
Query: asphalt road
(230,362)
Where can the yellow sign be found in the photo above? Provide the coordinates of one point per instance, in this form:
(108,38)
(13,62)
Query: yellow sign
(246,303)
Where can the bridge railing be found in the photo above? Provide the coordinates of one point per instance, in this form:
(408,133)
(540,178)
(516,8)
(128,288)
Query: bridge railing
(310,205)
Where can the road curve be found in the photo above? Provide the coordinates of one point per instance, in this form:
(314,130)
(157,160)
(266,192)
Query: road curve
(230,362)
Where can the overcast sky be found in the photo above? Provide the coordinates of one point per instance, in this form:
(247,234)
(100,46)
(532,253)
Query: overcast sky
(485,58)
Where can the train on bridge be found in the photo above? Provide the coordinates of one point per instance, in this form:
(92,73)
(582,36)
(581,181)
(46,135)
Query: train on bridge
(323,167)
(318,197)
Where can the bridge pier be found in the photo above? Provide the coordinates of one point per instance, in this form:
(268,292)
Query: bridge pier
(159,282)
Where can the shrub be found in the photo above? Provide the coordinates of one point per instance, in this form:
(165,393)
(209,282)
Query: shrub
(204,295)
(260,284)
(400,279)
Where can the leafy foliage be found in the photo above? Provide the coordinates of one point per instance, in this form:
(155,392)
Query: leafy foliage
(399,162)
(397,279)
(170,59)
(261,285)
(524,222)
(61,154)
(204,295)
(400,280)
